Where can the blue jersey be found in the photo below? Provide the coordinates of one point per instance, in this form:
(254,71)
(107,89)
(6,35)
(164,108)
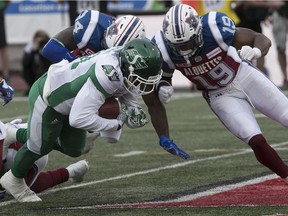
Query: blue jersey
(89,31)
(216,64)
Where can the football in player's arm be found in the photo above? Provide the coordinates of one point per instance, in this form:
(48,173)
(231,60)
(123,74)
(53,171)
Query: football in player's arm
(65,103)
(92,32)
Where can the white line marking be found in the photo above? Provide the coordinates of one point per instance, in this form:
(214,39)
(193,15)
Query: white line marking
(147,171)
(223,188)
(173,166)
(187,198)
(131,153)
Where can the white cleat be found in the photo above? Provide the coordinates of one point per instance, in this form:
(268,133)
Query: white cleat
(90,140)
(18,188)
(78,170)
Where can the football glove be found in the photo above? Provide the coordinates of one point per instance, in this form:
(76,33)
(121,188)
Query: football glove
(136,117)
(123,115)
(165,91)
(6,92)
(249,53)
(172,148)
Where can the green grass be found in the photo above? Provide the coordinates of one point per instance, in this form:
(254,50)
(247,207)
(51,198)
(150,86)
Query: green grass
(193,127)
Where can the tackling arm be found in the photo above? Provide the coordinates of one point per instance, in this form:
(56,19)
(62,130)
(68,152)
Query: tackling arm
(60,46)
(159,120)
(157,113)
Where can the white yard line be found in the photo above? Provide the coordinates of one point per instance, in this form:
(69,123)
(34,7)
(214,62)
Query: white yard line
(173,166)
(144,172)
(131,153)
(223,188)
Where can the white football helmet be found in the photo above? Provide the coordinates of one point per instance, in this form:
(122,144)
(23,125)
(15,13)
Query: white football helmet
(182,29)
(123,30)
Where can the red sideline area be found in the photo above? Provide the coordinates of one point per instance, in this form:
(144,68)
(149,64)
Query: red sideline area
(268,193)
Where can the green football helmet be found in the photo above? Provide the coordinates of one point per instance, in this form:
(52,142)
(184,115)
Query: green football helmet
(141,63)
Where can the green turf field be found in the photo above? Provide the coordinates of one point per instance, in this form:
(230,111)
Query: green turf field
(154,174)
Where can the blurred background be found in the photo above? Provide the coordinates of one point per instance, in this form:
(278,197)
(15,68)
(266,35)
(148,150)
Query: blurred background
(24,18)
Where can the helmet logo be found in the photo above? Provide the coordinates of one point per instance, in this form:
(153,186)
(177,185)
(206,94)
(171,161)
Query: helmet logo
(110,72)
(165,25)
(135,60)
(192,21)
(112,30)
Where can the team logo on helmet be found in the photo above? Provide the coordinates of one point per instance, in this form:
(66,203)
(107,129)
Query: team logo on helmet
(135,60)
(113,30)
(192,20)
(165,25)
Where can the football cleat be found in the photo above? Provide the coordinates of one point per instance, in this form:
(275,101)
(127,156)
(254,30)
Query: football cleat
(78,170)
(18,188)
(90,140)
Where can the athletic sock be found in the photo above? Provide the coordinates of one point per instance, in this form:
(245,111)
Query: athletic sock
(267,156)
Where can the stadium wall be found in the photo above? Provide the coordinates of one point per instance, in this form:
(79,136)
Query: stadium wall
(23,18)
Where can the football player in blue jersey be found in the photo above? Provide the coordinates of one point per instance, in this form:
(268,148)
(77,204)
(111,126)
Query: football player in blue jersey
(94,31)
(215,55)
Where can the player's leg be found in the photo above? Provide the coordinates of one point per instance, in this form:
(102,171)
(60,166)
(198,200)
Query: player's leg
(264,95)
(40,143)
(37,179)
(51,178)
(72,140)
(235,112)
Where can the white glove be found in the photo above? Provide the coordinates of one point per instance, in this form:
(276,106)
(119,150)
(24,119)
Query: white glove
(165,93)
(249,53)
(123,115)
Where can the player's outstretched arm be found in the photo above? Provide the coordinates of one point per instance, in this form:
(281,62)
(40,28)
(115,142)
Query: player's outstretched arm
(159,120)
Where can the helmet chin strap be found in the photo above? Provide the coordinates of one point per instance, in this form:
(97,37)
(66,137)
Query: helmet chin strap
(186,53)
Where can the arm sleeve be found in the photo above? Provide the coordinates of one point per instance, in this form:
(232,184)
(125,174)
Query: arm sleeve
(129,100)
(55,51)
(84,111)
